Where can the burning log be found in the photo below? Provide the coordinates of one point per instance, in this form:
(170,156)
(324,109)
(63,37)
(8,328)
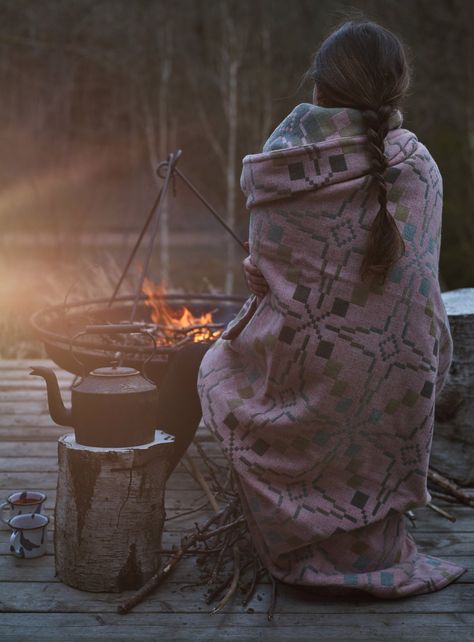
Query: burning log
(175,325)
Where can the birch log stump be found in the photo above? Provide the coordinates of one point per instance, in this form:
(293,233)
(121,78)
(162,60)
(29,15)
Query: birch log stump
(109,513)
(452,450)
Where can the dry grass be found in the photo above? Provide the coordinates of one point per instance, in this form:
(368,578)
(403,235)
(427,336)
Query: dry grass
(29,283)
(24,289)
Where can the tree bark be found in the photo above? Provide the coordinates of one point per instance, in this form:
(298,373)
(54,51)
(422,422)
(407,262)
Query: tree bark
(231,180)
(109,513)
(452,452)
(166,62)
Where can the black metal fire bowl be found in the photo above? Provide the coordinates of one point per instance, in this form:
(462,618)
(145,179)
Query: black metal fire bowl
(57,325)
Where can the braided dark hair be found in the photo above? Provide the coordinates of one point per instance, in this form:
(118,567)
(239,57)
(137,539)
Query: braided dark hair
(364,66)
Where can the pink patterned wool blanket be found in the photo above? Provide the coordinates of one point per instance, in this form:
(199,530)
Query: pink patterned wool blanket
(322,393)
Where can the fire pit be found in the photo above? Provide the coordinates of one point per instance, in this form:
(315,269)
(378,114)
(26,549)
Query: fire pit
(57,325)
(172,320)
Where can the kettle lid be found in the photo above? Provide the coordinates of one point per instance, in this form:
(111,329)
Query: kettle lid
(114,371)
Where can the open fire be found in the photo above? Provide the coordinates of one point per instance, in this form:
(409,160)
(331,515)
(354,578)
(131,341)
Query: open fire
(188,318)
(177,326)
(76,336)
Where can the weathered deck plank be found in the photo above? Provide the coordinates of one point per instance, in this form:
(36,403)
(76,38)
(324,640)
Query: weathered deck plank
(437,544)
(41,569)
(44,597)
(46,480)
(33,601)
(182,500)
(430,534)
(247,627)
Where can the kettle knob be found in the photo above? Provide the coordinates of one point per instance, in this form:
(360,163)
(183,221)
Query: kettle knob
(117,360)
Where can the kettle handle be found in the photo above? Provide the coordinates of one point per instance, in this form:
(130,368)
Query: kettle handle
(115,328)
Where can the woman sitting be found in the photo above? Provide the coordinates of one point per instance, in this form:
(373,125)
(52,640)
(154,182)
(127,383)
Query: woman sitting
(322,391)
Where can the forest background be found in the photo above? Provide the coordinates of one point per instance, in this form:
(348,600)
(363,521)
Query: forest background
(95,93)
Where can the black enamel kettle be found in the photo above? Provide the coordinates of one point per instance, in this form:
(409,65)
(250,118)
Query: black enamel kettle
(111,407)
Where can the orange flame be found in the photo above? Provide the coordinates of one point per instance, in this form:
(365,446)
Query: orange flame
(169,321)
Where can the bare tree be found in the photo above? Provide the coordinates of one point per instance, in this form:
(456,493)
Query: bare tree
(94,89)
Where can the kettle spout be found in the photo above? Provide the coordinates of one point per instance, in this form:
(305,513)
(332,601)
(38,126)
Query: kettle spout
(59,413)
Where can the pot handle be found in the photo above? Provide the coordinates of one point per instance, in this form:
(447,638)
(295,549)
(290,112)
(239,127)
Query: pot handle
(116,328)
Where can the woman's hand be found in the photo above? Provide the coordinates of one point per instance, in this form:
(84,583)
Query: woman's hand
(255,280)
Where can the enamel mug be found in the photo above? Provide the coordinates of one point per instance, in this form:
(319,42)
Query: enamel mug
(25,501)
(28,538)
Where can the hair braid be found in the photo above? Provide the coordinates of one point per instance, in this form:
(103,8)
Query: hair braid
(385,241)
(364,66)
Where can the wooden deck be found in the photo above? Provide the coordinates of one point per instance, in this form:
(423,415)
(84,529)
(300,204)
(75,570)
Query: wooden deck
(34,605)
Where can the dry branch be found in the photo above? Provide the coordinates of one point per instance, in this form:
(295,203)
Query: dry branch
(161,574)
(224,539)
(450,487)
(234,583)
(441,512)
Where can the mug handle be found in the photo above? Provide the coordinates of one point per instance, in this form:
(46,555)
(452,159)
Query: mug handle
(2,509)
(14,539)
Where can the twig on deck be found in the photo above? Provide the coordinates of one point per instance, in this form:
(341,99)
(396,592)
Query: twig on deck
(444,496)
(188,512)
(271,609)
(218,589)
(209,463)
(450,487)
(161,574)
(218,562)
(440,511)
(172,551)
(212,596)
(234,583)
(202,482)
(203,536)
(257,568)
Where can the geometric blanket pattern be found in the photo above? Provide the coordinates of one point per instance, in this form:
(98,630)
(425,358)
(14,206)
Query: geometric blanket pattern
(322,393)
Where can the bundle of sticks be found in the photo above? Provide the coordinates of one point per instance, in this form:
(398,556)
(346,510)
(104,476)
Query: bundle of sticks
(223,546)
(226,557)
